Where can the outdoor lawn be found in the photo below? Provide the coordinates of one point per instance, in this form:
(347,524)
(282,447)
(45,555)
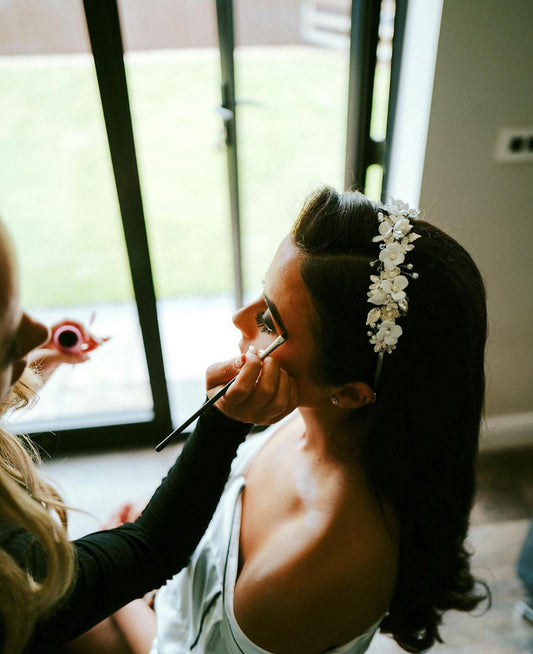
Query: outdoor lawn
(57,192)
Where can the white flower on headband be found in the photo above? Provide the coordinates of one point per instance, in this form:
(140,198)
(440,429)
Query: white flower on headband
(392,255)
(402,227)
(376,294)
(384,231)
(388,333)
(387,290)
(394,287)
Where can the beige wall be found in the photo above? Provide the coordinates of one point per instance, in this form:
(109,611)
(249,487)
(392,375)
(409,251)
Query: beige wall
(58,26)
(483,81)
(33,27)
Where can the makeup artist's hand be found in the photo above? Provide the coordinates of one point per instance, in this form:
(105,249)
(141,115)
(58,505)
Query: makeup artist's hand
(262,394)
(47,358)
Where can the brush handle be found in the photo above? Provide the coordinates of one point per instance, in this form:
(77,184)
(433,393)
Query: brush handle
(195,415)
(273,346)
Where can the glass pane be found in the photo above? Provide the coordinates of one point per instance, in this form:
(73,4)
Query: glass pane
(58,199)
(291,86)
(173,72)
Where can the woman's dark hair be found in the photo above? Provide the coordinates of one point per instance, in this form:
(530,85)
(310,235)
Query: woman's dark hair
(420,439)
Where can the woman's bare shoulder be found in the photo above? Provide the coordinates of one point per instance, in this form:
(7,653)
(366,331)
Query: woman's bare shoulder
(311,588)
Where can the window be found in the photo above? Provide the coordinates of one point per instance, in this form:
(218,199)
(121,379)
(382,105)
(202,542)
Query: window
(237,113)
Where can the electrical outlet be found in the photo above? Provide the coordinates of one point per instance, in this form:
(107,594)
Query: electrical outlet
(514,145)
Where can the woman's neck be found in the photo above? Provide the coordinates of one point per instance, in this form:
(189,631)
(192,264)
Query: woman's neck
(329,431)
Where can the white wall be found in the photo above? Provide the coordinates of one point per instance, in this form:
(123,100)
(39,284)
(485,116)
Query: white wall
(484,80)
(414,100)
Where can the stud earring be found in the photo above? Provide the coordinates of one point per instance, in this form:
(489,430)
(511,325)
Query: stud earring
(335,400)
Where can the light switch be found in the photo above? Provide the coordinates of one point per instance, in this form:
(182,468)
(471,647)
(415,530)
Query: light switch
(514,145)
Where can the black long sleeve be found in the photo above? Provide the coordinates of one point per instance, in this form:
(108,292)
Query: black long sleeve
(119,565)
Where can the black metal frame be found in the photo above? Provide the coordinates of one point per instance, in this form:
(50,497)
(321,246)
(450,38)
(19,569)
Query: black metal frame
(400,17)
(106,41)
(360,150)
(100,437)
(227,109)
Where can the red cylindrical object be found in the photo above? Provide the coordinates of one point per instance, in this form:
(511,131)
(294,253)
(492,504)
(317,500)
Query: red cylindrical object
(68,338)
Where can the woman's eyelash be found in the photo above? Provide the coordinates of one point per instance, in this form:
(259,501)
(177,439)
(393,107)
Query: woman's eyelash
(261,323)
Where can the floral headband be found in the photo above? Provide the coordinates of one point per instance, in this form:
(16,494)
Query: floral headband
(387,290)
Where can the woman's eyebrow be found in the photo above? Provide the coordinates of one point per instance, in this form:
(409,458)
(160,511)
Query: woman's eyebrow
(275,313)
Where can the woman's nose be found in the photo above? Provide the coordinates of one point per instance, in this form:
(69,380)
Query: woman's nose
(32,333)
(244,320)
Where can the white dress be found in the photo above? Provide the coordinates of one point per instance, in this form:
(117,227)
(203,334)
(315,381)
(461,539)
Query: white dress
(195,608)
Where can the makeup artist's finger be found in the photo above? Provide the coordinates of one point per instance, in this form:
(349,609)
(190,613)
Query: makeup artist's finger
(244,385)
(276,404)
(92,342)
(283,402)
(220,373)
(246,369)
(261,406)
(45,359)
(80,357)
(267,385)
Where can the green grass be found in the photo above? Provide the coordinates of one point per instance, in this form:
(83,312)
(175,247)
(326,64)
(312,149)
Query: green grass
(57,192)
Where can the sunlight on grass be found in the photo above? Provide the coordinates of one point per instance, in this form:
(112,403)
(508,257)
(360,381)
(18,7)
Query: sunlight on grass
(57,192)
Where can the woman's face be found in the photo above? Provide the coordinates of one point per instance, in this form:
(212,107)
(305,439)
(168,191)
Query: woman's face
(19,334)
(284,308)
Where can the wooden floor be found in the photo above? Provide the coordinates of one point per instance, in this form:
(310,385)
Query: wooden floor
(500,520)
(505,486)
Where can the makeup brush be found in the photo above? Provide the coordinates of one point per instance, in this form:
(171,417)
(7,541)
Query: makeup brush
(273,346)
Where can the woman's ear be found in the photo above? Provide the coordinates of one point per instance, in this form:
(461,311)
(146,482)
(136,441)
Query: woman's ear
(353,395)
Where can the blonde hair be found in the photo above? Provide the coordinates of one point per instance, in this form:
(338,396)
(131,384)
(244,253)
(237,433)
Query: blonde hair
(30,502)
